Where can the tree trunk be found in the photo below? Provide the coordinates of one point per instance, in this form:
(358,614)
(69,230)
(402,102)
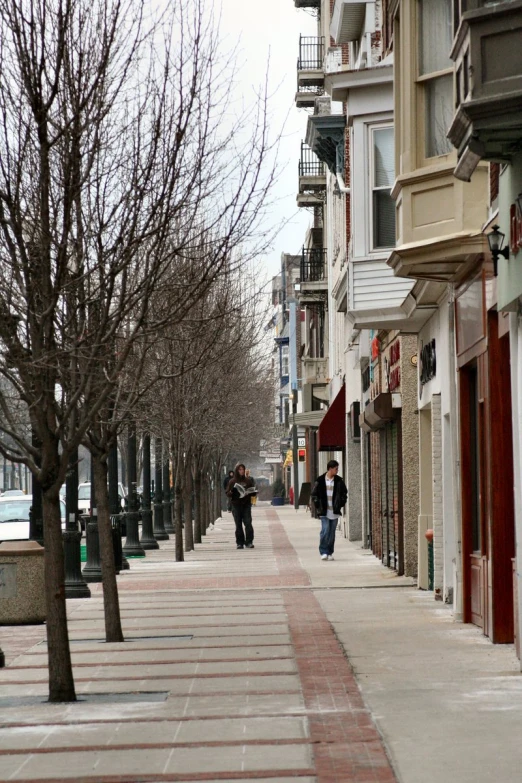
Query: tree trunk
(197,507)
(111,603)
(61,682)
(187,504)
(204,504)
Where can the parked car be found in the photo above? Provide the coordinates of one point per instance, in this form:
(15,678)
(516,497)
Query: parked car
(14,517)
(13,493)
(84,497)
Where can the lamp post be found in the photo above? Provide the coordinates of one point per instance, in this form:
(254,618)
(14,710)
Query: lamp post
(160,534)
(36,532)
(147,535)
(167,495)
(75,584)
(496,242)
(92,571)
(132,542)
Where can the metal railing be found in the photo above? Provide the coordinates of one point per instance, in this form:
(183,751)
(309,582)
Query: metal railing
(313,265)
(310,165)
(311,53)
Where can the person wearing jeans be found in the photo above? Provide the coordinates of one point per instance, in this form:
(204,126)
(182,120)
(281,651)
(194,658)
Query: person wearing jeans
(329,495)
(242,507)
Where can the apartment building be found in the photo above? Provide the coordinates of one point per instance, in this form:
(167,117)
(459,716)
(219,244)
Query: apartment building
(412,171)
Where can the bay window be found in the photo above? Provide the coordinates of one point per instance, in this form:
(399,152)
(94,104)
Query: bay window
(435,75)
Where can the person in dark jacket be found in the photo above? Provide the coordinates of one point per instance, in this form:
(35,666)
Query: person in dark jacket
(242,507)
(329,495)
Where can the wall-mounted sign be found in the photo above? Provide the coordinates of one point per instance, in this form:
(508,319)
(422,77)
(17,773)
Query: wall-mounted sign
(428,363)
(301,442)
(515,221)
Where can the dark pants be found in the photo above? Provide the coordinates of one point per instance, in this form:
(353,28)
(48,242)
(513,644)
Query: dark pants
(243,516)
(327,536)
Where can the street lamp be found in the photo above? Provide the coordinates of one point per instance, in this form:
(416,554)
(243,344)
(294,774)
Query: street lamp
(495,242)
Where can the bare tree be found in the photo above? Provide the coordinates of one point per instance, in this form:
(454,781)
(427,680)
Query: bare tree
(114,165)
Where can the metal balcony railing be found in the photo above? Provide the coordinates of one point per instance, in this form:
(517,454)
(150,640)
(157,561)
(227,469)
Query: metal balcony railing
(313,265)
(310,165)
(311,53)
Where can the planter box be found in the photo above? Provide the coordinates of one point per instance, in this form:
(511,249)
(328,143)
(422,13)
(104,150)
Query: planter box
(278,501)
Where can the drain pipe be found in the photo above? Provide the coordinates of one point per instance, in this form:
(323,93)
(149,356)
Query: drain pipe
(341,185)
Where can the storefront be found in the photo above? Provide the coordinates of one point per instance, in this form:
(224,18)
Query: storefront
(486,447)
(391,459)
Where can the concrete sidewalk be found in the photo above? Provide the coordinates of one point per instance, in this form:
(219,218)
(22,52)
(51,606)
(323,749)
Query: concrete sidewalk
(234,669)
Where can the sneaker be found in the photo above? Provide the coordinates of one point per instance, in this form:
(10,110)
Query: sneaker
(324,557)
(331,557)
(249,546)
(239,546)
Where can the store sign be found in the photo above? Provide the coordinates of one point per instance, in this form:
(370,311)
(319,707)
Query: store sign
(428,363)
(515,221)
(392,366)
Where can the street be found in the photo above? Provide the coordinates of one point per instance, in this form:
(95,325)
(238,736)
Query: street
(234,668)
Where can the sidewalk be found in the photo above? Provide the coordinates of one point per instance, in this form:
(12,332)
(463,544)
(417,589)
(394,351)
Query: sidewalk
(233,670)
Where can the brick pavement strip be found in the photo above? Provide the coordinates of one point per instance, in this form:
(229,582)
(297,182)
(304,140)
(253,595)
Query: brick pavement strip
(239,721)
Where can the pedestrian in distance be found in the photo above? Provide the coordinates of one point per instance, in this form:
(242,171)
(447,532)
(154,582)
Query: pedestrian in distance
(226,482)
(240,491)
(329,495)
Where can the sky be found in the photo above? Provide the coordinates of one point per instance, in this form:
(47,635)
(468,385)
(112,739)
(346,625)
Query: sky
(263,30)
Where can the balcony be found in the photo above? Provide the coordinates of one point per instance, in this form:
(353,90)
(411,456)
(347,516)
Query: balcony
(488,62)
(307,3)
(310,70)
(348,19)
(314,370)
(312,177)
(313,285)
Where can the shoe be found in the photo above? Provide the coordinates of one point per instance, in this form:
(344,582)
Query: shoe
(331,557)
(324,557)
(249,546)
(239,546)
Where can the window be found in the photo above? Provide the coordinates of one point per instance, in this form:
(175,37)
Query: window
(383,172)
(285,367)
(436,73)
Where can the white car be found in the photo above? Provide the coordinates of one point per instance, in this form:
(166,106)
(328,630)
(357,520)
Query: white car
(14,517)
(84,497)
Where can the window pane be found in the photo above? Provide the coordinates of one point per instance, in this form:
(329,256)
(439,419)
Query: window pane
(436,35)
(383,219)
(439,114)
(383,153)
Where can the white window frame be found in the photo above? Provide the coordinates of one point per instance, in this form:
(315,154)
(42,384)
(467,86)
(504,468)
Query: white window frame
(285,357)
(371,128)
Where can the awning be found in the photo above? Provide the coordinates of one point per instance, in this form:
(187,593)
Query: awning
(379,412)
(308,418)
(331,435)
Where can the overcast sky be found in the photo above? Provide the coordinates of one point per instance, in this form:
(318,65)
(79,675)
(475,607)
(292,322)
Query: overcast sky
(272,28)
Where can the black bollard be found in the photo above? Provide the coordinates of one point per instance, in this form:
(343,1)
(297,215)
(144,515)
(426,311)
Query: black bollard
(160,534)
(132,546)
(147,535)
(75,584)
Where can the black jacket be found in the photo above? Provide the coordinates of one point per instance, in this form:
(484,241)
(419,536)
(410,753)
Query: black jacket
(233,494)
(318,495)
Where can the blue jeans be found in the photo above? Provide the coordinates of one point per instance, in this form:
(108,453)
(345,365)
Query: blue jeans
(243,516)
(327,536)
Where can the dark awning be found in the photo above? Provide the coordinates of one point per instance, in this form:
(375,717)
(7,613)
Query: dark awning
(378,413)
(331,435)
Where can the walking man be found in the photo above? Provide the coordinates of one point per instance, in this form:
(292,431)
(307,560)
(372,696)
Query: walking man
(242,507)
(329,494)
